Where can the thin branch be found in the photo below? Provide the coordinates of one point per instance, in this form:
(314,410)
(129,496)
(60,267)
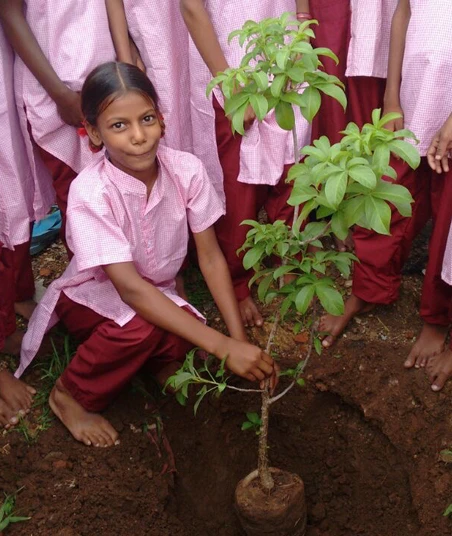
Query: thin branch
(281,394)
(244,390)
(319,235)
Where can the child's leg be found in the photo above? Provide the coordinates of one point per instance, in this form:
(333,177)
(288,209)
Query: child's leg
(333,32)
(436,294)
(241,204)
(104,363)
(15,396)
(24,304)
(364,94)
(377,277)
(62,176)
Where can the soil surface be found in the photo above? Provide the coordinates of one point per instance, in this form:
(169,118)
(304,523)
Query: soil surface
(365,435)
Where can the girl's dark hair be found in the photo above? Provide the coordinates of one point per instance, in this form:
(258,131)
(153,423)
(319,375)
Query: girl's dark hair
(109,81)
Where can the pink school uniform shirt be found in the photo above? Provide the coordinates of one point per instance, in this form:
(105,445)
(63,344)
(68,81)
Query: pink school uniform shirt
(426,89)
(75,38)
(17,175)
(265,147)
(110,220)
(370,35)
(162,39)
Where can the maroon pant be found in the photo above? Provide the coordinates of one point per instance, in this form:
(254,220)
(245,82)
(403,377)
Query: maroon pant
(23,273)
(363,93)
(62,176)
(243,201)
(110,355)
(377,277)
(7,294)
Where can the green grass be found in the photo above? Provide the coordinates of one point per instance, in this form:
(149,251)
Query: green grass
(7,514)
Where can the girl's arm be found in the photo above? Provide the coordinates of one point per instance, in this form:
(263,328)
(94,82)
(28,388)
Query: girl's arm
(243,358)
(216,273)
(302,6)
(399,27)
(23,41)
(119,29)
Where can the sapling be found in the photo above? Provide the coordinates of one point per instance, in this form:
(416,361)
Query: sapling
(342,185)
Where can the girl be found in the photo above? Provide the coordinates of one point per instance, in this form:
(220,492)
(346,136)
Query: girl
(128,219)
(16,212)
(162,40)
(419,88)
(59,42)
(252,169)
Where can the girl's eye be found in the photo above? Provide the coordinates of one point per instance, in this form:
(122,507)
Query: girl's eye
(149,118)
(118,125)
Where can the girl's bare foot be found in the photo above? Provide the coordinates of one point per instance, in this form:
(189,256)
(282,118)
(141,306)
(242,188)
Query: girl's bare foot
(88,428)
(250,313)
(335,325)
(13,343)
(429,344)
(25,308)
(16,398)
(439,369)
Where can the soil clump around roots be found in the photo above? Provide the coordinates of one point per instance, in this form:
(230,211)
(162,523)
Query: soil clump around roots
(365,435)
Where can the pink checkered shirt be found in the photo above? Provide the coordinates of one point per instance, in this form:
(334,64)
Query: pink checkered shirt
(111,221)
(426,91)
(162,39)
(17,178)
(370,34)
(447,261)
(265,148)
(75,37)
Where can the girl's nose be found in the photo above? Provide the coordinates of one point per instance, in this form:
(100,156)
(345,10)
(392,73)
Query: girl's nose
(138,135)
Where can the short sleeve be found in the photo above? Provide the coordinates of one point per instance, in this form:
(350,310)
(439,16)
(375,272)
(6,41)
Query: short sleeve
(204,204)
(95,236)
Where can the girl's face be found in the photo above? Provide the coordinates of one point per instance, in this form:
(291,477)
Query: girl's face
(130,130)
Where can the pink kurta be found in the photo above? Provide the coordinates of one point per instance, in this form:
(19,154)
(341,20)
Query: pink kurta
(17,185)
(75,37)
(162,39)
(265,148)
(370,34)
(110,221)
(426,90)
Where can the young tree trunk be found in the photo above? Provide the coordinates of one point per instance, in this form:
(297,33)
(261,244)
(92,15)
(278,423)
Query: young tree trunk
(265,477)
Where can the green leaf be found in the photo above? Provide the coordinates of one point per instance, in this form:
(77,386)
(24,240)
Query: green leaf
(284,115)
(448,511)
(277,85)
(381,157)
(353,210)
(263,287)
(330,299)
(296,74)
(254,418)
(283,270)
(364,175)
(247,425)
(253,256)
(311,103)
(202,393)
(339,224)
(260,105)
(238,118)
(234,103)
(396,194)
(333,91)
(377,215)
(301,382)
(406,152)
(304,297)
(281,57)
(293,98)
(335,188)
(318,346)
(261,79)
(322,51)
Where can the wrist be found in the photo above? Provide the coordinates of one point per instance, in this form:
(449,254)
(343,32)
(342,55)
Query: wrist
(60,93)
(303,16)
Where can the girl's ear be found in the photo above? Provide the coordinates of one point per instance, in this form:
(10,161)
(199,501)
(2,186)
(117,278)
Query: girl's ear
(95,141)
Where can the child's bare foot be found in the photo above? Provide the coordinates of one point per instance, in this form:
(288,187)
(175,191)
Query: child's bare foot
(335,325)
(13,343)
(89,428)
(25,308)
(439,369)
(15,399)
(429,343)
(250,313)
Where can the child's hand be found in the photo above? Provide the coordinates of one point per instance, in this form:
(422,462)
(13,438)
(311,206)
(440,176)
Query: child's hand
(248,361)
(70,108)
(136,56)
(438,152)
(396,124)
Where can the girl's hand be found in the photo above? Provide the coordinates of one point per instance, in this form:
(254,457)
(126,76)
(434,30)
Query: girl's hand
(396,124)
(438,152)
(69,107)
(248,361)
(136,56)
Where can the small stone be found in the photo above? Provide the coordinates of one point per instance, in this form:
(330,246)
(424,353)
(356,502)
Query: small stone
(55,455)
(61,464)
(45,272)
(409,334)
(348,284)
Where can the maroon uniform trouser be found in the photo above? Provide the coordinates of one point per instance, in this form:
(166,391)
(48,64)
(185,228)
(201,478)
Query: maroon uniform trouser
(7,294)
(377,277)
(243,201)
(23,273)
(62,176)
(110,355)
(363,93)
